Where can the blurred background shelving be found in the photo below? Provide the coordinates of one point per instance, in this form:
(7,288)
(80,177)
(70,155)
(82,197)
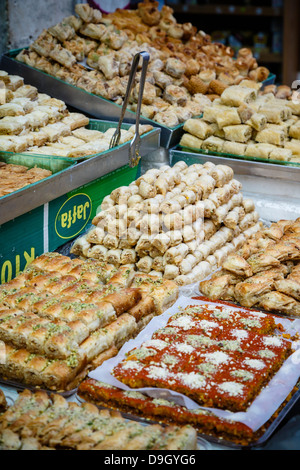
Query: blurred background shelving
(269,27)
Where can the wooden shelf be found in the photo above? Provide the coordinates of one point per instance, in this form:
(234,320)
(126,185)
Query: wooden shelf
(289,15)
(269,58)
(234,10)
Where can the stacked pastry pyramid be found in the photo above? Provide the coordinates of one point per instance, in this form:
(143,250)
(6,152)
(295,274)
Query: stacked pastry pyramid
(243,122)
(178,223)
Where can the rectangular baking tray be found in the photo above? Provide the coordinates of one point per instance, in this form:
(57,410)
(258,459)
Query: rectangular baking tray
(203,438)
(80,99)
(20,387)
(236,157)
(46,162)
(85,171)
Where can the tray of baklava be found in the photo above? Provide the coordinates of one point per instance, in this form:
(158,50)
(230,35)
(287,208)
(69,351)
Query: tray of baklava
(248,125)
(230,372)
(61,317)
(38,421)
(90,55)
(263,273)
(35,123)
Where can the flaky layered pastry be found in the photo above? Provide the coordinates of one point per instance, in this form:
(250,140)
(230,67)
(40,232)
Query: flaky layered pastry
(61,317)
(264,273)
(37,421)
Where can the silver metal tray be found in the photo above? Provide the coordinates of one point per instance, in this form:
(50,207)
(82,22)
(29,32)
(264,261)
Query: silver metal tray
(19,387)
(33,196)
(274,188)
(206,439)
(89,103)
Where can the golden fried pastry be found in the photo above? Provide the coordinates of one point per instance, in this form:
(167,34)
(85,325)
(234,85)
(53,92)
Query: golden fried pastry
(196,85)
(175,95)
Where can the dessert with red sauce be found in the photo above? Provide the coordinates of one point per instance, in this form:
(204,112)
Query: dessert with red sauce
(217,356)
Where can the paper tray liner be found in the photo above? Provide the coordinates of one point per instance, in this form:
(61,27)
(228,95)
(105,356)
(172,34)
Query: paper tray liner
(104,375)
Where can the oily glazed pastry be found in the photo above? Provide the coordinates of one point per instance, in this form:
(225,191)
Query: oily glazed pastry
(53,341)
(14,177)
(37,421)
(264,273)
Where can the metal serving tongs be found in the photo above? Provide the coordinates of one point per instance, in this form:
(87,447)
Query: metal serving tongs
(134,150)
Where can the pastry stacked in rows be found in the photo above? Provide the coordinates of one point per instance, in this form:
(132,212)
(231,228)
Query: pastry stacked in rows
(37,421)
(178,223)
(243,122)
(264,273)
(14,177)
(186,70)
(221,358)
(60,318)
(34,122)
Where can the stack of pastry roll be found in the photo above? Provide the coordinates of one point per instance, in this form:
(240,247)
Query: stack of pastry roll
(177,222)
(36,123)
(60,318)
(246,123)
(264,272)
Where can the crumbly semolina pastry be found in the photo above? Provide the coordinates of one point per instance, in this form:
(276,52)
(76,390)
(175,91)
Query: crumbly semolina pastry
(219,357)
(37,421)
(163,411)
(263,273)
(180,56)
(60,317)
(172,220)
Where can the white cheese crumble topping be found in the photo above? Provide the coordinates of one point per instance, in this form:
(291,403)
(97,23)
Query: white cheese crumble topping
(272,341)
(208,325)
(255,364)
(170,360)
(185,348)
(155,343)
(131,365)
(155,372)
(192,379)
(240,334)
(232,388)
(243,375)
(163,402)
(217,357)
(199,340)
(183,322)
